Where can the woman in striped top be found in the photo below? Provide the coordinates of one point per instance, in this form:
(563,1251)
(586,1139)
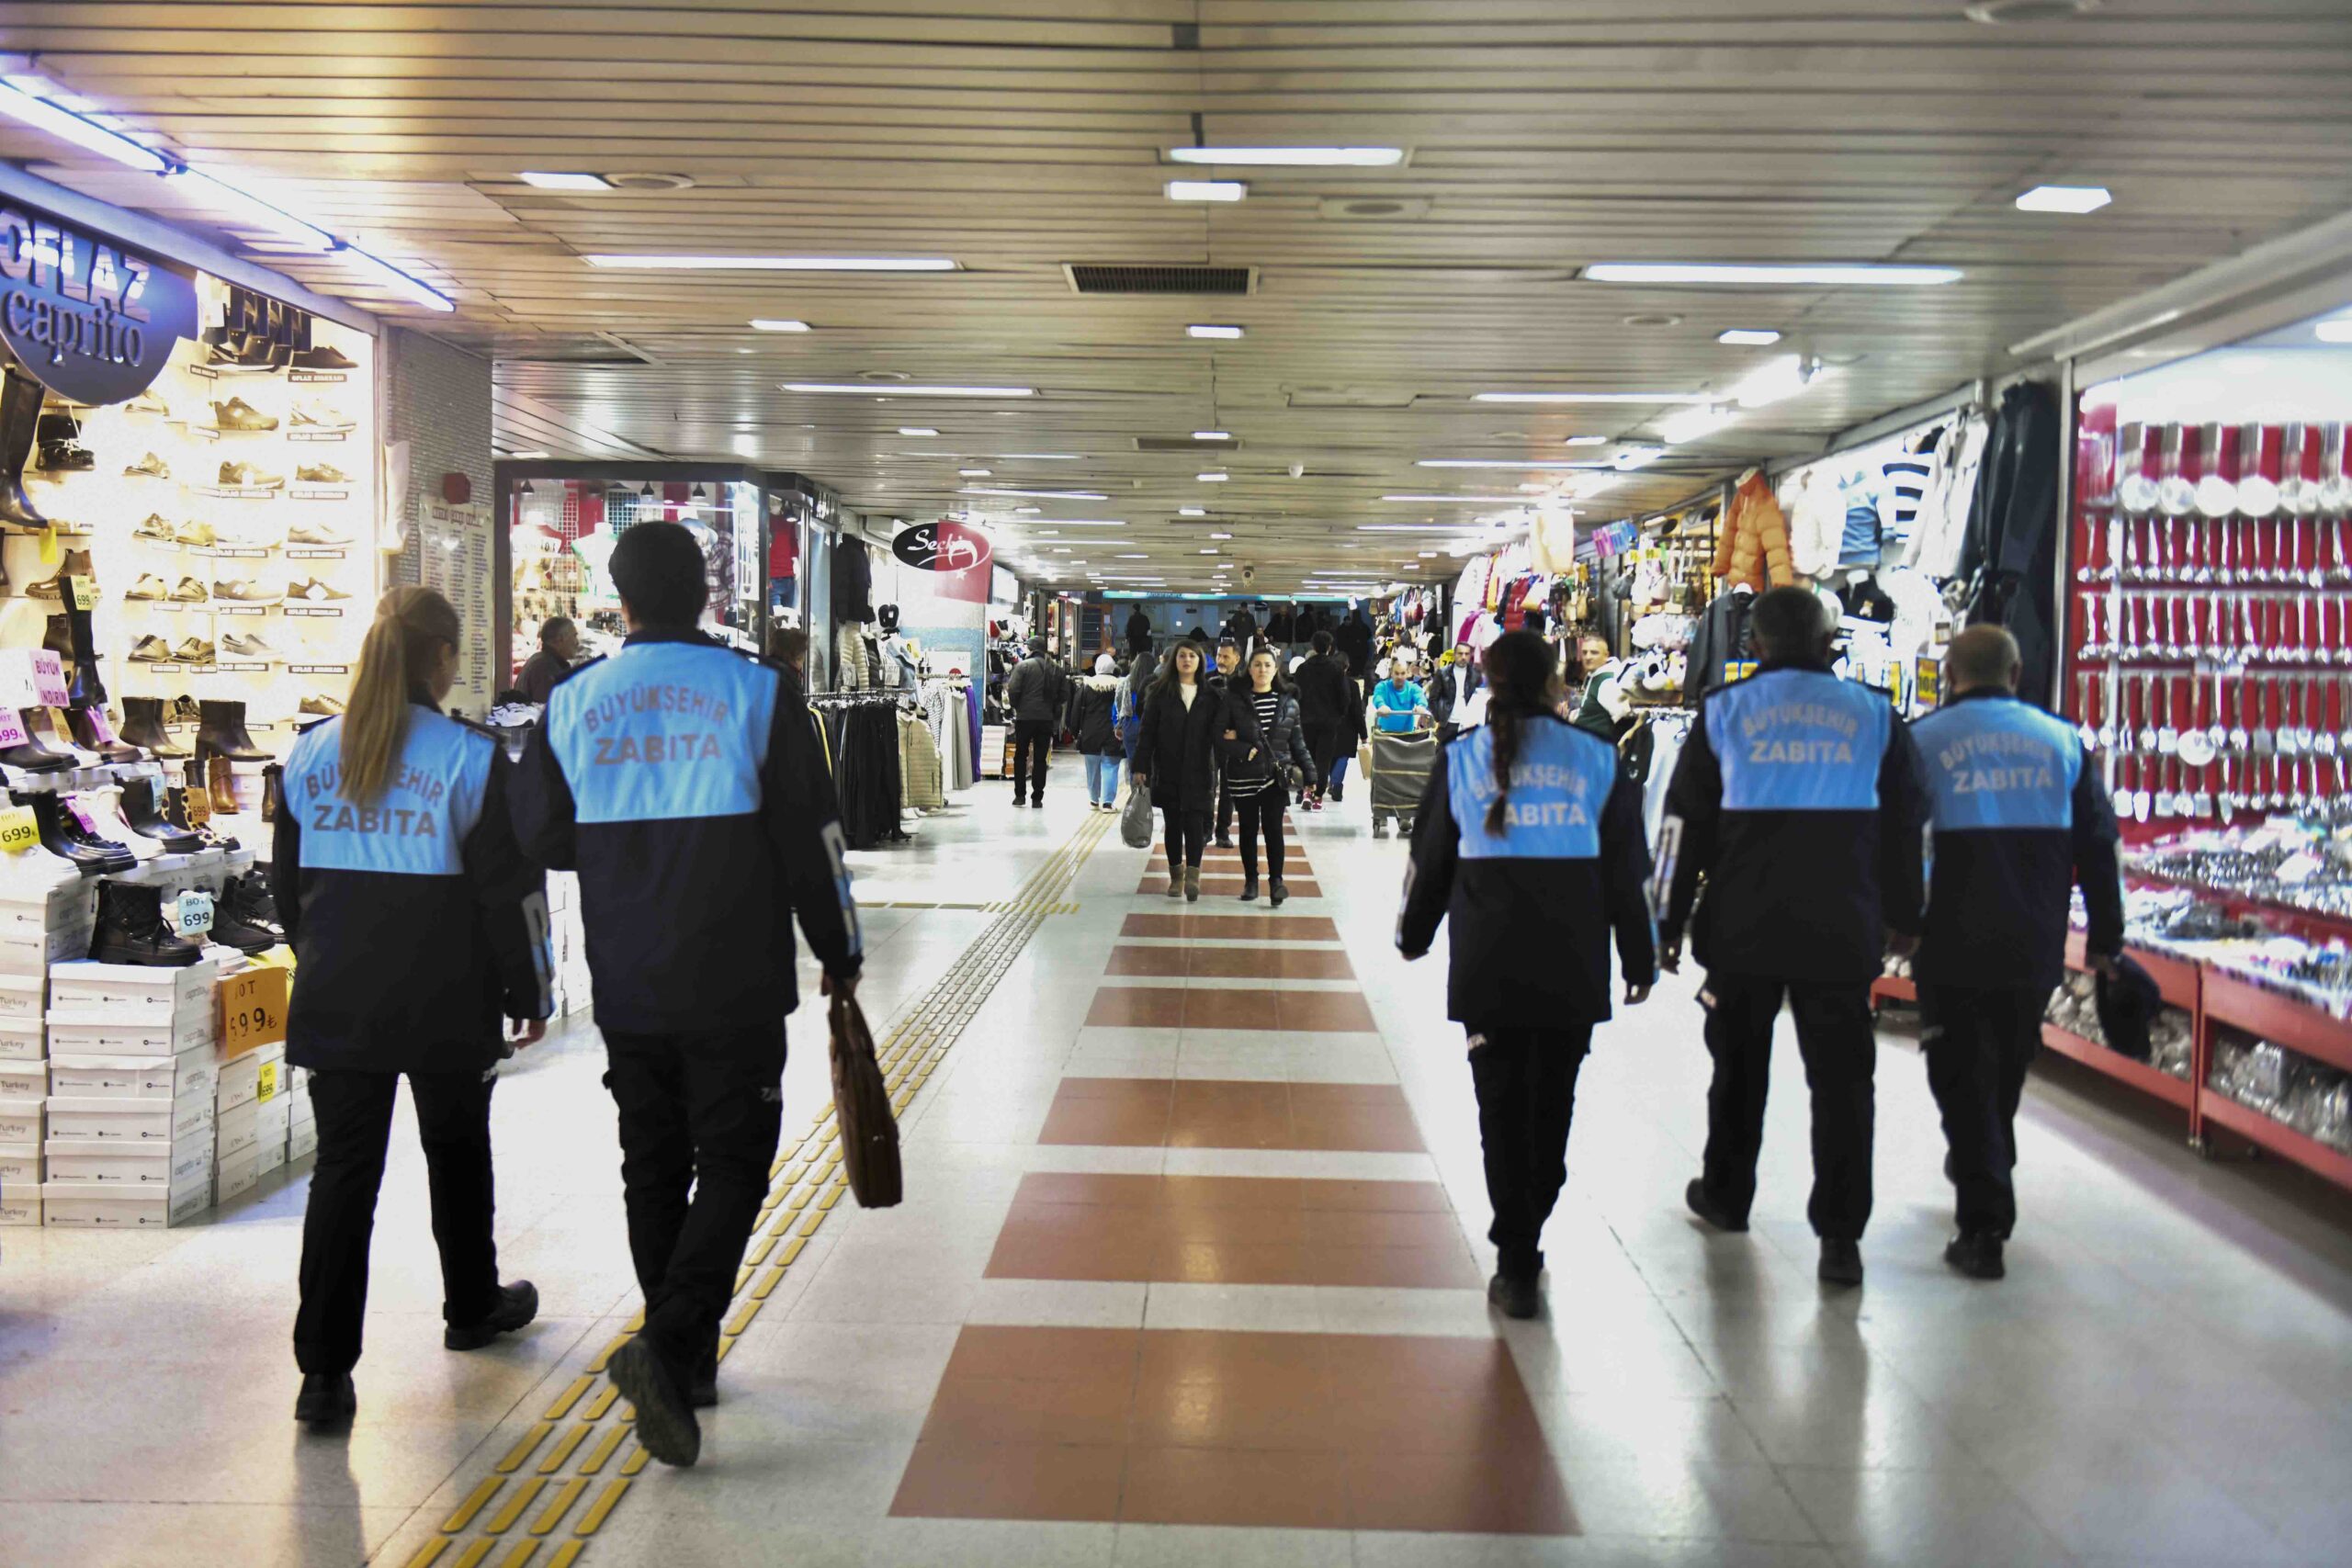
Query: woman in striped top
(1261,742)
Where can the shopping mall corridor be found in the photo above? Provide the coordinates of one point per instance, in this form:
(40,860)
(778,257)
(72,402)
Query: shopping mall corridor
(1190,1272)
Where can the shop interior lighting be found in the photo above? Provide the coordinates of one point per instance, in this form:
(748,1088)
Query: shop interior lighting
(1212,435)
(2336,330)
(2065,198)
(1691,424)
(1585,441)
(1205,329)
(1220,535)
(1192,511)
(534,453)
(1834,274)
(974,473)
(1040,456)
(885,390)
(762,323)
(1634,457)
(1205,191)
(1292,157)
(1777,380)
(1408,527)
(24,98)
(916,429)
(1591,398)
(689,261)
(1061,522)
(1749,337)
(1027,511)
(1037,494)
(544,180)
(208,185)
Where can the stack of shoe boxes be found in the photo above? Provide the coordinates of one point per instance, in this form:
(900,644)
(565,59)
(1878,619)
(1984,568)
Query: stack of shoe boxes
(37,918)
(252,1120)
(132,1083)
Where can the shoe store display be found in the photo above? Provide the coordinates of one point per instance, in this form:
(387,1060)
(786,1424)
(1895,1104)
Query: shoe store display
(221,733)
(194,532)
(239,415)
(319,474)
(149,466)
(313,592)
(88,688)
(318,417)
(59,637)
(133,930)
(61,448)
(189,591)
(221,784)
(20,399)
(147,587)
(63,837)
(150,651)
(248,899)
(75,564)
(30,756)
(149,402)
(194,650)
(142,813)
(237,646)
(316,533)
(184,710)
(244,591)
(325,708)
(157,527)
(248,476)
(38,725)
(324,359)
(91,732)
(143,718)
(103,808)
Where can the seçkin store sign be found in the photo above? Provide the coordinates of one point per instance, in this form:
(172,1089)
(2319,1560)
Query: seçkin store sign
(94,319)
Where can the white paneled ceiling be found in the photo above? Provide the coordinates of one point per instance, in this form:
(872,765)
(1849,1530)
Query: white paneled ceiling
(1542,136)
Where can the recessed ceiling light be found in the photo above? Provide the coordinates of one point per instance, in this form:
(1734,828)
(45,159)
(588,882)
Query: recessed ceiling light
(2337,330)
(1591,398)
(2065,198)
(1585,441)
(1143,557)
(1214,479)
(1208,549)
(916,429)
(1828,274)
(1027,511)
(1749,337)
(1205,191)
(1192,511)
(525,455)
(877,390)
(675,262)
(1292,157)
(1203,329)
(1425,554)
(1212,435)
(1521,465)
(546,181)
(766,324)
(974,473)
(1220,535)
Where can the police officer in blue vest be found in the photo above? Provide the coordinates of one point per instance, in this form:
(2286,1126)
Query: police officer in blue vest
(2018,818)
(1529,842)
(684,780)
(418,925)
(1796,801)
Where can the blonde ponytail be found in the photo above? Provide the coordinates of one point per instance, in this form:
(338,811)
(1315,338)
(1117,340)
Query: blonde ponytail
(397,656)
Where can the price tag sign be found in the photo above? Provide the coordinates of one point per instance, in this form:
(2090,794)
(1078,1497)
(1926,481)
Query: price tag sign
(192,912)
(50,688)
(252,1010)
(268,1075)
(196,801)
(85,591)
(18,830)
(12,728)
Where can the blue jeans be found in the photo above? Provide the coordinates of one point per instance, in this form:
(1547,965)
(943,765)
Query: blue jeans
(1339,769)
(1101,779)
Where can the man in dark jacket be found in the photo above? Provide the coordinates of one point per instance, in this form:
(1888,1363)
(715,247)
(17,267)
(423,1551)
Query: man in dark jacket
(1034,695)
(558,646)
(1326,701)
(1227,676)
(1796,798)
(1139,631)
(2018,818)
(683,782)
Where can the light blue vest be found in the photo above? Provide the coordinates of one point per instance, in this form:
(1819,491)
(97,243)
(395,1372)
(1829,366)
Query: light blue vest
(1998,762)
(1559,783)
(664,730)
(419,827)
(1798,741)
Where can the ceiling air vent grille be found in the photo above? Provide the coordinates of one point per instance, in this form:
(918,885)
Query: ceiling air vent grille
(1184,444)
(1102,278)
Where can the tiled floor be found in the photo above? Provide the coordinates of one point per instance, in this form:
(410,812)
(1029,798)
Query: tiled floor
(1202,1286)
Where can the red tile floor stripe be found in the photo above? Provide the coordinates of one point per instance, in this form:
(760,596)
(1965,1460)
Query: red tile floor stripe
(1252,1008)
(1232,963)
(1216,1113)
(1231,928)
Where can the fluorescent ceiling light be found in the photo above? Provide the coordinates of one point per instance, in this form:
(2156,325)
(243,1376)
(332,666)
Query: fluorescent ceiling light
(1027,511)
(916,429)
(545,181)
(1749,337)
(386,275)
(527,455)
(1408,527)
(1292,157)
(974,473)
(207,185)
(1062,523)
(82,132)
(1220,535)
(1525,466)
(1192,511)
(2065,198)
(1591,398)
(1212,435)
(1216,478)
(1831,273)
(2337,330)
(690,263)
(1143,557)
(903,390)
(1463,500)
(1205,191)
(1585,441)
(1208,549)
(763,324)
(1202,328)
(1038,494)
(1692,423)
(1040,456)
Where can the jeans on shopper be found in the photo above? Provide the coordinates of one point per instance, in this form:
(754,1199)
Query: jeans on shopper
(1337,773)
(1261,812)
(699,1113)
(355,1117)
(1840,1048)
(1102,779)
(1979,1042)
(1526,1080)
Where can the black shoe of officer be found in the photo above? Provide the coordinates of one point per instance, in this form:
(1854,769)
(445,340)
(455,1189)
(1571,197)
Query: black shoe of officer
(1276,892)
(1250,889)
(665,1422)
(517,1304)
(1513,1295)
(1976,1254)
(702,1391)
(1707,1209)
(1842,1262)
(1225,840)
(327,1402)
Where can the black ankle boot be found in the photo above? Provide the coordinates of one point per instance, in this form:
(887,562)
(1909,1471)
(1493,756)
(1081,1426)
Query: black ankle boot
(31,756)
(220,730)
(131,928)
(1249,888)
(92,733)
(21,398)
(246,917)
(1276,891)
(327,1402)
(143,813)
(142,726)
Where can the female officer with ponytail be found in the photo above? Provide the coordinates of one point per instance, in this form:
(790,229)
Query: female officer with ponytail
(1529,839)
(417,925)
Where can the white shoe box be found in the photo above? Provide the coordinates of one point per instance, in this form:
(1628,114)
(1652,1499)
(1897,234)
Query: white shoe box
(174,995)
(187,1076)
(135,1120)
(99,1205)
(242,1078)
(302,1140)
(125,1032)
(21,998)
(22,1121)
(20,1166)
(236,1175)
(20,1206)
(23,1080)
(23,1041)
(39,926)
(172,1165)
(238,1130)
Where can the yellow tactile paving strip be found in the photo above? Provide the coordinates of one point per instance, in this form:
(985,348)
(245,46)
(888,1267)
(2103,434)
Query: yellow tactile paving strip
(527,1486)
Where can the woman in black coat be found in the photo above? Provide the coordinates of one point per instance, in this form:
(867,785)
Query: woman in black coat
(1176,758)
(1262,739)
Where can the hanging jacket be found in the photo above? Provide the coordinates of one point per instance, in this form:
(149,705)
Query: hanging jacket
(1090,717)
(1719,640)
(1797,798)
(1530,911)
(416,923)
(1253,753)
(1942,529)
(688,789)
(852,581)
(2018,818)
(2010,557)
(1034,692)
(1177,751)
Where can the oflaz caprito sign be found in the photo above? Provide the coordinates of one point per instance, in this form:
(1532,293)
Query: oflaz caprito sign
(941,546)
(94,321)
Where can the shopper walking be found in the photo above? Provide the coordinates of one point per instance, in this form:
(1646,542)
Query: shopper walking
(1531,846)
(417,926)
(1796,799)
(1092,719)
(1034,695)
(2018,818)
(685,785)
(1133,687)
(1325,699)
(1229,668)
(1261,744)
(1139,632)
(1176,760)
(1354,734)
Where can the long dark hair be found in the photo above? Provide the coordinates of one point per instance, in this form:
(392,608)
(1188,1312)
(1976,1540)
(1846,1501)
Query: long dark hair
(1168,680)
(1521,683)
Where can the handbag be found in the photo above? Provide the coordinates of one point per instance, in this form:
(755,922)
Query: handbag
(1134,819)
(861,1104)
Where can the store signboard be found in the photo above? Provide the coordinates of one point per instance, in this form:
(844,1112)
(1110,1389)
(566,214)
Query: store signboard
(94,319)
(958,552)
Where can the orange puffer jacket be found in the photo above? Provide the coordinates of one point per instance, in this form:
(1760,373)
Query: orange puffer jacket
(1754,540)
